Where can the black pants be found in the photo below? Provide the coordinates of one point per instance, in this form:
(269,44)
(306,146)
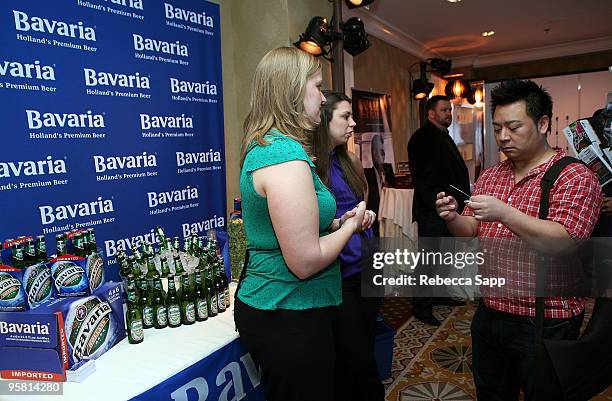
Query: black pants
(432,227)
(295,350)
(504,351)
(357,375)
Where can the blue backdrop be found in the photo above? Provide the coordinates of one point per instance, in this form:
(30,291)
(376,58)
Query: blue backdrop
(112,118)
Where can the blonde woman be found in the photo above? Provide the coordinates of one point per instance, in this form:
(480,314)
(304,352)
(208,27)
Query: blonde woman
(291,286)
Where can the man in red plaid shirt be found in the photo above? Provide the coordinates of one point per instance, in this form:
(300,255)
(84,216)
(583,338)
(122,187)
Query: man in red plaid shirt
(505,204)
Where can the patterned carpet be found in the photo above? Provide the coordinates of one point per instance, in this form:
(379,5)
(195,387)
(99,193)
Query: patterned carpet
(435,363)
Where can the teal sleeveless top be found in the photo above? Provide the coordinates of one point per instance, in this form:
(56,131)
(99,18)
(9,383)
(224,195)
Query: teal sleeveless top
(268,283)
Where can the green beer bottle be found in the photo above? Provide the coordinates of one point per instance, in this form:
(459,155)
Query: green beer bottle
(137,255)
(122,261)
(224,282)
(200,298)
(134,267)
(163,240)
(151,270)
(18,257)
(79,248)
(211,295)
(145,304)
(188,313)
(93,246)
(165,268)
(30,253)
(178,266)
(158,302)
(219,288)
(176,246)
(41,250)
(173,304)
(133,319)
(60,241)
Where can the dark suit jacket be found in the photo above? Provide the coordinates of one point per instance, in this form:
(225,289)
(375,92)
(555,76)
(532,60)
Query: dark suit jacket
(435,163)
(373,201)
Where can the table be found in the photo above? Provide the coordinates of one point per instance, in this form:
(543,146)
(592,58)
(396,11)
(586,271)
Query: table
(395,213)
(204,361)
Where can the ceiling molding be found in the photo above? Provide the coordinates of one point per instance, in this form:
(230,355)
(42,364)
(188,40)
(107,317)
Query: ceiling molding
(390,34)
(536,53)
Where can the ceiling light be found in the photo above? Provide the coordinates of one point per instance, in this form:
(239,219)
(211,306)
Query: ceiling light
(358,3)
(355,37)
(453,1)
(440,66)
(488,33)
(421,88)
(316,37)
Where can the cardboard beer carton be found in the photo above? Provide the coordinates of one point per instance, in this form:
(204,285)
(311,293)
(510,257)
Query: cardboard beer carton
(42,343)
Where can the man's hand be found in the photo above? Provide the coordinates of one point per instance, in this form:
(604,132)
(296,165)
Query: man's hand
(488,208)
(606,209)
(446,206)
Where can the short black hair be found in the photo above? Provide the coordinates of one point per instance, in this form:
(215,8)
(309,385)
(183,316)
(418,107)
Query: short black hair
(537,100)
(432,102)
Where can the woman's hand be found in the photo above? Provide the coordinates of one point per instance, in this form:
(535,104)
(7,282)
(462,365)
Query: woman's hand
(357,220)
(369,218)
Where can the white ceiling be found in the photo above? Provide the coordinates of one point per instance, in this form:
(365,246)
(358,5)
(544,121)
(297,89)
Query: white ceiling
(524,29)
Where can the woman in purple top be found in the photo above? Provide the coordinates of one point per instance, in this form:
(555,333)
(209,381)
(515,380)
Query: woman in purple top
(356,371)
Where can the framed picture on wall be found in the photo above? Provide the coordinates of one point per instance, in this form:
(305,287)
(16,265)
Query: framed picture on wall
(403,168)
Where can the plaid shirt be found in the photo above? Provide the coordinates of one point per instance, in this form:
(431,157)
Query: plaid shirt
(575,202)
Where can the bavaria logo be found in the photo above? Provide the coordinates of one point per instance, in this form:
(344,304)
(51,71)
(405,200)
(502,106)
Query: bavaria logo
(137,4)
(102,78)
(112,246)
(187,158)
(95,271)
(27,70)
(23,22)
(147,121)
(194,17)
(37,284)
(161,198)
(9,287)
(37,120)
(25,328)
(103,163)
(51,214)
(67,274)
(91,334)
(203,88)
(176,48)
(30,167)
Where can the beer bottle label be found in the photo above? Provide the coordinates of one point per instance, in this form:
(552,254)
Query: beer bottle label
(136,332)
(202,309)
(147,316)
(221,302)
(227,298)
(174,315)
(162,316)
(190,312)
(213,304)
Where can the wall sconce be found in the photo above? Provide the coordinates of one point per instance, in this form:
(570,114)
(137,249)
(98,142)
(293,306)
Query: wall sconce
(478,96)
(456,89)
